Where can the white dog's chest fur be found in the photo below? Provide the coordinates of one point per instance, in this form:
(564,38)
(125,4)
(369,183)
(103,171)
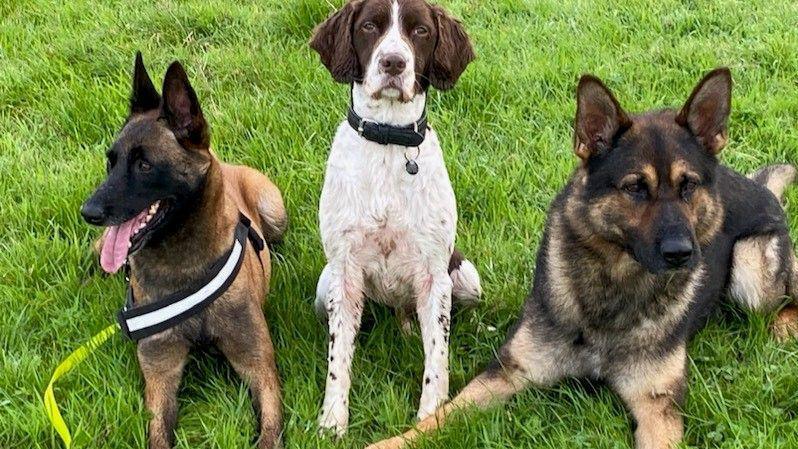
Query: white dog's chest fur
(398,227)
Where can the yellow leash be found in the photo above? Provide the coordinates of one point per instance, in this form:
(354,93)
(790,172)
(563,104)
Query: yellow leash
(74,359)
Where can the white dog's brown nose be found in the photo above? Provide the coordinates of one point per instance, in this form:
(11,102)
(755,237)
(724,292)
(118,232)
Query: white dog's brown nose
(393,64)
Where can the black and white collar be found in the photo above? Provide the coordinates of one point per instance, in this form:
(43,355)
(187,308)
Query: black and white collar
(162,314)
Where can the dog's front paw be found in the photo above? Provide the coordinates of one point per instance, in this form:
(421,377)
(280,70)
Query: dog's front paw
(334,421)
(785,326)
(430,403)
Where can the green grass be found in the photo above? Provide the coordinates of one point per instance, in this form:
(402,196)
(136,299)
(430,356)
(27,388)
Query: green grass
(64,79)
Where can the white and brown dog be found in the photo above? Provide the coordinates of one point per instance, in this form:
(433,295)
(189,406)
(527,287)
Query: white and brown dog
(387,213)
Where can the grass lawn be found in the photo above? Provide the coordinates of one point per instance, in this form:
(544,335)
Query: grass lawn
(65,72)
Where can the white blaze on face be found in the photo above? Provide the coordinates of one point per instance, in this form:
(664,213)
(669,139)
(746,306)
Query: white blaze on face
(393,42)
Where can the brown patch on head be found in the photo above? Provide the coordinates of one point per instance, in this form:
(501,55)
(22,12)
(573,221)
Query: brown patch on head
(346,41)
(453,50)
(332,39)
(705,213)
(679,170)
(650,175)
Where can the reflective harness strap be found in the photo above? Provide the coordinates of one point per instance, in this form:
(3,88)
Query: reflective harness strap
(149,319)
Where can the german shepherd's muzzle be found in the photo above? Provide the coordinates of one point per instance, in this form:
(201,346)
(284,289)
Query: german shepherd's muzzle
(638,248)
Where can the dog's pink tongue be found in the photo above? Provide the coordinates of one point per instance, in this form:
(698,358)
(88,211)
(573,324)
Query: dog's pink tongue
(115,244)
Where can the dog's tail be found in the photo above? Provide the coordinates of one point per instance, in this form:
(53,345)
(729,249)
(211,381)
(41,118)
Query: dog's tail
(776,178)
(493,386)
(271,209)
(466,287)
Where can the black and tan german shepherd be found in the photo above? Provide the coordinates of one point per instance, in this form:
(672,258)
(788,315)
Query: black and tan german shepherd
(170,208)
(639,246)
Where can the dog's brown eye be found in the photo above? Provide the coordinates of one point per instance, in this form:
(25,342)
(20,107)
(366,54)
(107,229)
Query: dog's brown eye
(636,188)
(144,165)
(369,27)
(688,187)
(420,31)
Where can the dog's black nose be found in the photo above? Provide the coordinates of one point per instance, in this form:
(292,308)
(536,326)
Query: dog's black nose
(676,251)
(92,213)
(393,64)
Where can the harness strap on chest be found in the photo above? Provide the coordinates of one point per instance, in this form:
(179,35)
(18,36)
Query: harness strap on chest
(159,315)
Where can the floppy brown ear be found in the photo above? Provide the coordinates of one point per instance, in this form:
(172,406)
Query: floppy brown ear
(332,40)
(453,51)
(181,109)
(144,97)
(706,113)
(599,118)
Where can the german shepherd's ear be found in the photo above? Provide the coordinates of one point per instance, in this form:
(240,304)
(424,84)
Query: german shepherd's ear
(144,96)
(182,111)
(706,113)
(332,40)
(599,118)
(453,51)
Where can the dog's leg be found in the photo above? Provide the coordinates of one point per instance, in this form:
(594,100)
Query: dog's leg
(433,307)
(484,390)
(248,346)
(764,269)
(523,360)
(763,275)
(162,367)
(654,390)
(322,293)
(345,308)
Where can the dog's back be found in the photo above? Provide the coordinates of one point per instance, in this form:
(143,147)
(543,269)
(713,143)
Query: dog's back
(258,198)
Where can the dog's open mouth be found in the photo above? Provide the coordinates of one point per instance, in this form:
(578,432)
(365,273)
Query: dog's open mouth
(119,241)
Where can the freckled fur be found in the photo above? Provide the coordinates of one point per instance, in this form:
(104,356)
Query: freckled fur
(388,235)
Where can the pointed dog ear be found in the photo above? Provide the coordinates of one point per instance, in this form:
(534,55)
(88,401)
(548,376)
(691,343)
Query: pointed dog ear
(453,51)
(706,113)
(599,118)
(144,96)
(332,40)
(182,111)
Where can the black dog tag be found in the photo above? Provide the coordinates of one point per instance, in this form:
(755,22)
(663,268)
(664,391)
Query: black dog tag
(411,167)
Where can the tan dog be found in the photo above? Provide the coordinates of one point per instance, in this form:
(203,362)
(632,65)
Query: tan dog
(172,209)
